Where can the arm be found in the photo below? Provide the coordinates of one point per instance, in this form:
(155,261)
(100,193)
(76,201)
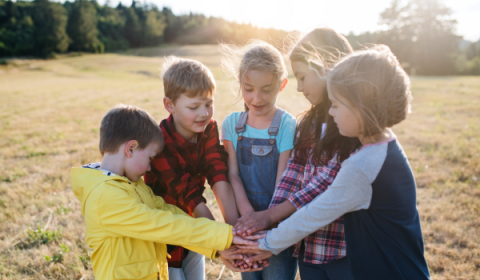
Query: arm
(120,214)
(282,164)
(322,178)
(244,206)
(350,191)
(202,211)
(226,201)
(280,208)
(215,169)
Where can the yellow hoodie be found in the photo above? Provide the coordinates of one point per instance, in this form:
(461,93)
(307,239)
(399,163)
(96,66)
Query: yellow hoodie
(128,227)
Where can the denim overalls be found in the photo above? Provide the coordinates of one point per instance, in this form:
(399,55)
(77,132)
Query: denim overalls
(258,163)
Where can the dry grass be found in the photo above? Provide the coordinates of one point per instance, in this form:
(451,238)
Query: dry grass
(49,117)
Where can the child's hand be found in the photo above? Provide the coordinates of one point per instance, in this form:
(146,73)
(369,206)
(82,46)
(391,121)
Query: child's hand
(242,266)
(259,256)
(238,240)
(252,222)
(257,235)
(231,254)
(253,257)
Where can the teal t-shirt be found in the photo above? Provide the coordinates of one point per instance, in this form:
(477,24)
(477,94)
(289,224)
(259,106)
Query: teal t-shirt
(284,137)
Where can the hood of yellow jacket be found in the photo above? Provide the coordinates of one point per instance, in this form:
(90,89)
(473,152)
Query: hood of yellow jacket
(86,178)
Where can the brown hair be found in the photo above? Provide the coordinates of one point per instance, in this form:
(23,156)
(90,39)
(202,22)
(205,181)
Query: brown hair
(373,82)
(186,76)
(127,122)
(257,55)
(320,49)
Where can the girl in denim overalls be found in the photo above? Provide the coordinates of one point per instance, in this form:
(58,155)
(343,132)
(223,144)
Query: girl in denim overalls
(259,142)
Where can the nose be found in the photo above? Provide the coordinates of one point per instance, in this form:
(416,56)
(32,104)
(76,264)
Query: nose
(204,112)
(256,97)
(330,112)
(299,86)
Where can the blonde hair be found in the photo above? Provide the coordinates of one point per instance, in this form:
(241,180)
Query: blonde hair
(186,76)
(127,122)
(257,55)
(373,81)
(320,48)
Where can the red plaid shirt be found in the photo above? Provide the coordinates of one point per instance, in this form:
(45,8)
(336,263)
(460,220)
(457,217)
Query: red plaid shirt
(300,184)
(179,172)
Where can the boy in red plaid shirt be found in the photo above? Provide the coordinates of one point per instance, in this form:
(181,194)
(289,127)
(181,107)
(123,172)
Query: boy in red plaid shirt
(192,155)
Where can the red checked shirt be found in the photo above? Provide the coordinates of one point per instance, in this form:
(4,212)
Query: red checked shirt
(300,184)
(179,172)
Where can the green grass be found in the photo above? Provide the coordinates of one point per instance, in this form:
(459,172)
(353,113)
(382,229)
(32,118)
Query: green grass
(50,112)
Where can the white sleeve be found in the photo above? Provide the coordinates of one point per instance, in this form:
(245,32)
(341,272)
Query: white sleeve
(350,191)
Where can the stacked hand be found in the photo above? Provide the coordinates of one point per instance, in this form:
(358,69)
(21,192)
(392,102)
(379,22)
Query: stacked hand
(244,255)
(251,223)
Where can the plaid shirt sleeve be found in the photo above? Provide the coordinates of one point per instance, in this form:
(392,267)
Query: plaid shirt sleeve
(323,177)
(214,158)
(290,182)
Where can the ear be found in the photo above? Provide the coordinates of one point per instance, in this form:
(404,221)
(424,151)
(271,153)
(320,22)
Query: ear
(169,106)
(130,147)
(283,85)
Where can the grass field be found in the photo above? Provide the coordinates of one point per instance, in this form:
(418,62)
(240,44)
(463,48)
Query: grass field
(50,112)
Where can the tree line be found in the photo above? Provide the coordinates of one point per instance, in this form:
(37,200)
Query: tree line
(420,32)
(43,28)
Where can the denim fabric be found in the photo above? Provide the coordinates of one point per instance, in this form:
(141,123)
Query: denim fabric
(282,267)
(258,162)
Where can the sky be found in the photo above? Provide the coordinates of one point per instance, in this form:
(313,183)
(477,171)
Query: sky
(345,16)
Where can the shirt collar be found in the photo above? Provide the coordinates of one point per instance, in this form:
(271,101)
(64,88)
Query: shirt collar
(177,138)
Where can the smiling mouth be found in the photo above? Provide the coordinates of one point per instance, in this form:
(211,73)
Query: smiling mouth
(200,123)
(258,107)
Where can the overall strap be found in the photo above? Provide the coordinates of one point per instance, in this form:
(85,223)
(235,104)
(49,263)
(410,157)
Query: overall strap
(275,126)
(240,127)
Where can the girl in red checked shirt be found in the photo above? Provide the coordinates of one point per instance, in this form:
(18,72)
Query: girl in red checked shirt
(309,173)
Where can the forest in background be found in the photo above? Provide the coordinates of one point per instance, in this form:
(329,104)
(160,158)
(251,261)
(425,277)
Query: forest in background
(421,33)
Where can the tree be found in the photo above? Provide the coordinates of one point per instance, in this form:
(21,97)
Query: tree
(82,28)
(421,34)
(153,27)
(110,26)
(133,27)
(50,20)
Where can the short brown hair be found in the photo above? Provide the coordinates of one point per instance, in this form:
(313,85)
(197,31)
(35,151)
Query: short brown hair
(186,76)
(373,82)
(127,122)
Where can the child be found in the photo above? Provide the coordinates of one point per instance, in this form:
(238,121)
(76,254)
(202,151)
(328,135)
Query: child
(322,254)
(192,155)
(375,188)
(259,140)
(126,224)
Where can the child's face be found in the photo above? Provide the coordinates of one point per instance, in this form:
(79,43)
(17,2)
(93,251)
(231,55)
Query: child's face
(310,82)
(139,162)
(347,118)
(191,115)
(260,91)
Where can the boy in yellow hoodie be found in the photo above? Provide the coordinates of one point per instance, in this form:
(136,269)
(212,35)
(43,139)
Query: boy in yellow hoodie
(127,226)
